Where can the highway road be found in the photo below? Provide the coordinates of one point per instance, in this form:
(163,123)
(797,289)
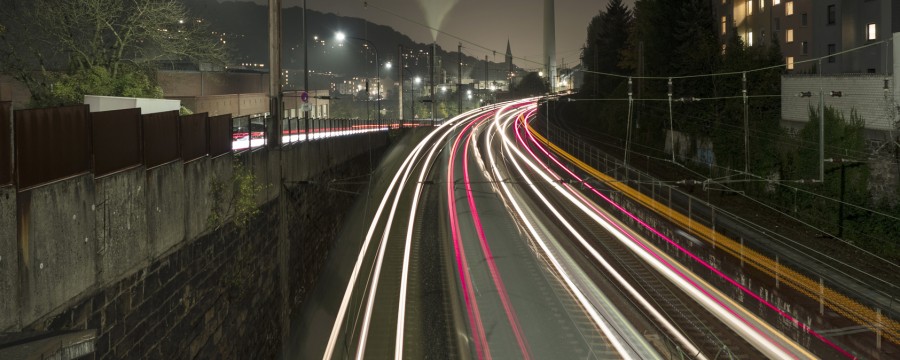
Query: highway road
(485,243)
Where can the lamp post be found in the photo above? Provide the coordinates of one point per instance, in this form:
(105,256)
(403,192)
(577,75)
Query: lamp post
(340,37)
(412,101)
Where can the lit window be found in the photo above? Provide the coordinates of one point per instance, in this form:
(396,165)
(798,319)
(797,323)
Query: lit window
(762,4)
(789,8)
(750,38)
(790,62)
(789,36)
(871,32)
(724,25)
(749,7)
(776,2)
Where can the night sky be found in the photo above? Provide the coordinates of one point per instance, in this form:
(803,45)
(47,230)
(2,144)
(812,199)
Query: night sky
(488,23)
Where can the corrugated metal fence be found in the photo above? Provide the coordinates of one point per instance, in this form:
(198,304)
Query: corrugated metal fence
(161,143)
(220,135)
(57,143)
(117,140)
(194,141)
(51,144)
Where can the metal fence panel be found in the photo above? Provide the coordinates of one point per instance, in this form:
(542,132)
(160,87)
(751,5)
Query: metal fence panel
(117,140)
(5,143)
(220,135)
(161,138)
(194,141)
(51,144)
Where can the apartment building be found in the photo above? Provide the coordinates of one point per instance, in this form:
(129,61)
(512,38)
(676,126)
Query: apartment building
(843,25)
(807,30)
(758,21)
(829,46)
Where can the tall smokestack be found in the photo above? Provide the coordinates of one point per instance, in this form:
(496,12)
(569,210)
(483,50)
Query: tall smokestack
(550,42)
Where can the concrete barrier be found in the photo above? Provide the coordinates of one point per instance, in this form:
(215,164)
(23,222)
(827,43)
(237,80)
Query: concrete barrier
(80,236)
(9,260)
(57,244)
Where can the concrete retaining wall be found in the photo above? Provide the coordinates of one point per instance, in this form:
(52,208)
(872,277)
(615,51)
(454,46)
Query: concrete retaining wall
(135,256)
(9,266)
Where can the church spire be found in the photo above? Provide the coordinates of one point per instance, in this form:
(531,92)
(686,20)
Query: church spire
(509,59)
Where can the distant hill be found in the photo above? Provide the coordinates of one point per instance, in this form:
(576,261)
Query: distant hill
(246,29)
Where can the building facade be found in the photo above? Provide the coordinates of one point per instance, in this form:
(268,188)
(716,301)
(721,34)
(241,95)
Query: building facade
(829,46)
(810,30)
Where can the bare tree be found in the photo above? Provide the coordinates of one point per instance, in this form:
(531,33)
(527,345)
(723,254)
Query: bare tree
(116,35)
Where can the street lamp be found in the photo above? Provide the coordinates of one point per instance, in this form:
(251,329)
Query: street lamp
(412,101)
(340,37)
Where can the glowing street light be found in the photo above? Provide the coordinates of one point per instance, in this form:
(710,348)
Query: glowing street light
(418,79)
(340,37)
(388,65)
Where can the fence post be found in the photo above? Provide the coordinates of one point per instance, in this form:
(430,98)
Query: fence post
(690,212)
(821,296)
(878,326)
(670,201)
(777,275)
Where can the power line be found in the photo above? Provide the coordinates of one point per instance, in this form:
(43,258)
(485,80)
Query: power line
(733,73)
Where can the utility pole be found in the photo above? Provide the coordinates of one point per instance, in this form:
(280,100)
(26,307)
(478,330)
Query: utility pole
(433,49)
(459,78)
(746,127)
(821,127)
(671,123)
(274,135)
(486,73)
(628,130)
(400,77)
(305,72)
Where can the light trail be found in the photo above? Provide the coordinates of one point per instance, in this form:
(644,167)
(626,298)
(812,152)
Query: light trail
(489,257)
(339,318)
(370,303)
(601,323)
(482,349)
(662,320)
(401,312)
(661,265)
(690,254)
(773,348)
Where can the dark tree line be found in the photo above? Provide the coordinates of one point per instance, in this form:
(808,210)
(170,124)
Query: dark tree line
(680,39)
(664,39)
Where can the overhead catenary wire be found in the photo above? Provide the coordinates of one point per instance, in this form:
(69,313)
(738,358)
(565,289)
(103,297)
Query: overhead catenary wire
(690,76)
